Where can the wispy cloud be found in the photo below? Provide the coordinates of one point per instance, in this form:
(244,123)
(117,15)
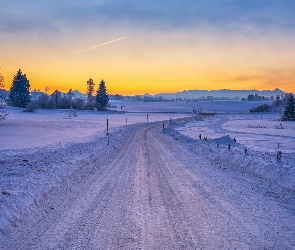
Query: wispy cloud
(271,78)
(18,16)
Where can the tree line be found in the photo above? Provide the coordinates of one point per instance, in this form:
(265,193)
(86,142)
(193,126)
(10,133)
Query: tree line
(19,96)
(284,104)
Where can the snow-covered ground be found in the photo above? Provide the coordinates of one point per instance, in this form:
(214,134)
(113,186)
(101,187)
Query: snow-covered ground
(187,107)
(254,140)
(39,151)
(54,127)
(259,132)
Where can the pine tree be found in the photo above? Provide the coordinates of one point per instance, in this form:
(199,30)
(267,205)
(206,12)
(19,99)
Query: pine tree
(90,90)
(20,90)
(102,97)
(289,113)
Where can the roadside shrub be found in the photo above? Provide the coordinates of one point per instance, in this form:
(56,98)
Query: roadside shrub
(64,103)
(43,101)
(3,111)
(57,101)
(31,107)
(261,108)
(90,105)
(78,103)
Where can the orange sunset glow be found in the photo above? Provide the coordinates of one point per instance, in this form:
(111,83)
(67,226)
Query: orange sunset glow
(153,57)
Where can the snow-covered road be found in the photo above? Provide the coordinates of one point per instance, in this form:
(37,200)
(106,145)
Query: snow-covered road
(154,192)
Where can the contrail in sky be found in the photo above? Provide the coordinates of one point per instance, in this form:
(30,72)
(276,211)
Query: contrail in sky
(102,44)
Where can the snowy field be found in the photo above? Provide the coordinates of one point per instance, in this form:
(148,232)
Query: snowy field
(38,151)
(184,107)
(254,139)
(54,127)
(264,133)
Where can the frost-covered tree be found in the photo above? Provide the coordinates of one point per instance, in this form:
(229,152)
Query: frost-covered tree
(102,97)
(277,102)
(64,102)
(20,90)
(46,88)
(2,90)
(1,81)
(43,101)
(289,113)
(56,96)
(3,112)
(70,94)
(90,90)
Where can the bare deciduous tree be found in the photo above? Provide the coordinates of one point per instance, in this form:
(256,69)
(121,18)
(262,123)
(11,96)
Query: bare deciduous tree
(2,81)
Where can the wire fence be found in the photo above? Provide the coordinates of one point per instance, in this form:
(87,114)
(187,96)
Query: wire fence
(277,168)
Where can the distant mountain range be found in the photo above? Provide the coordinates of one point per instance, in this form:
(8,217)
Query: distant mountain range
(77,93)
(35,94)
(192,94)
(222,93)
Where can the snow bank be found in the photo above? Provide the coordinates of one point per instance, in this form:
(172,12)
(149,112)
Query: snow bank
(264,165)
(225,140)
(28,175)
(262,132)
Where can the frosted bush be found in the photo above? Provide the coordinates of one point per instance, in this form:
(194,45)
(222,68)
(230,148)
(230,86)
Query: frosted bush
(3,111)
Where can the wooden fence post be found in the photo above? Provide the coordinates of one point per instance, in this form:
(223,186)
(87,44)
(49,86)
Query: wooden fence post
(107,126)
(279,155)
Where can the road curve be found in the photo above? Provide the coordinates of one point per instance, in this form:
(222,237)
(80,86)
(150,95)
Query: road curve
(155,193)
